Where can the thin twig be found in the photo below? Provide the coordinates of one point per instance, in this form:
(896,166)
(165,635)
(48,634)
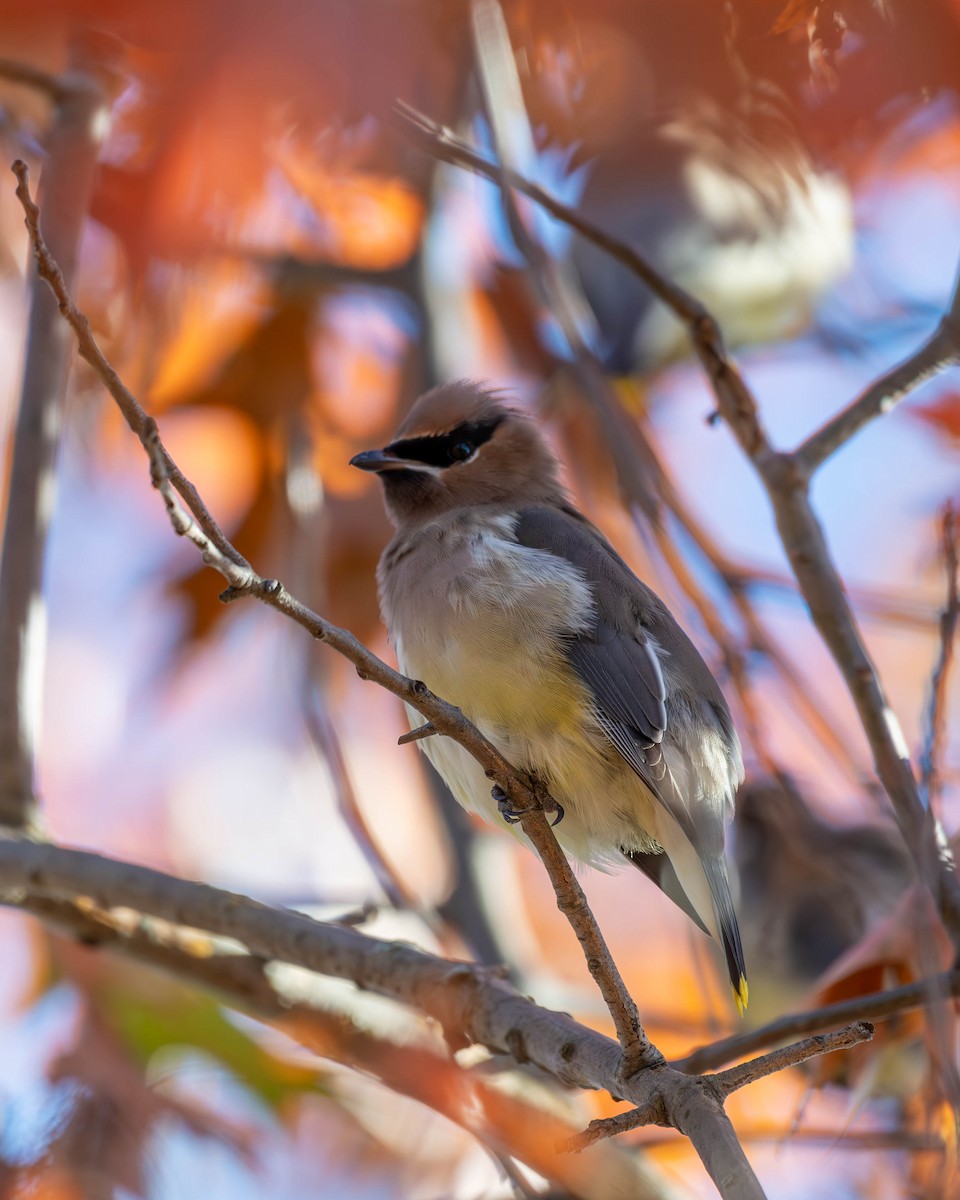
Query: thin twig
(877,1006)
(941,350)
(435,137)
(790,1056)
(201,529)
(324,738)
(936,716)
(416,735)
(608,1127)
(72,144)
(729,1081)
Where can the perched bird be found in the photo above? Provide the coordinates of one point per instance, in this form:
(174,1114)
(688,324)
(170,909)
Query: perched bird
(811,890)
(509,603)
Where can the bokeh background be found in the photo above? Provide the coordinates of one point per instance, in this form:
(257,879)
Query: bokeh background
(277,269)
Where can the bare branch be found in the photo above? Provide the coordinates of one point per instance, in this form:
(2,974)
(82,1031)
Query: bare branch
(791,1056)
(72,144)
(875,1007)
(936,716)
(416,735)
(501,1122)
(729,1081)
(940,351)
(325,738)
(608,1127)
(49,270)
(200,528)
(471,1003)
(444,144)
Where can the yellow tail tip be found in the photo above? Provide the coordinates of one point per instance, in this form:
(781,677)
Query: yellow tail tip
(741,995)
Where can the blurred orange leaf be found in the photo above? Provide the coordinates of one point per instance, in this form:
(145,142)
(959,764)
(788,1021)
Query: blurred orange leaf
(369,221)
(795,12)
(943,414)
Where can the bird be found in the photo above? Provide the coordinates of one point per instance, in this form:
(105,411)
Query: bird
(505,600)
(811,890)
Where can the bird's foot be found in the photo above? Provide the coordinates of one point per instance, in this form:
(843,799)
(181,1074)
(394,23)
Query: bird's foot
(553,806)
(510,815)
(547,802)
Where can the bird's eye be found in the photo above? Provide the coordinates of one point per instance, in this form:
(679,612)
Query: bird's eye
(461,452)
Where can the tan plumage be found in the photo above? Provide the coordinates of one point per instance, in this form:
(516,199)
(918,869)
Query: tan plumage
(505,600)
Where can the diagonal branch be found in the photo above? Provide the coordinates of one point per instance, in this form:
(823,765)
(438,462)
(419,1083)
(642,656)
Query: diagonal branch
(875,1007)
(502,1122)
(199,527)
(731,1080)
(791,1056)
(940,351)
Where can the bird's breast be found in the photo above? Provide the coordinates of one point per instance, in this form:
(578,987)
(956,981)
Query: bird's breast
(482,621)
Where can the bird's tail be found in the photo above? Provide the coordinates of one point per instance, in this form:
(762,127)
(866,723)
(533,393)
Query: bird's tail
(703,877)
(727,931)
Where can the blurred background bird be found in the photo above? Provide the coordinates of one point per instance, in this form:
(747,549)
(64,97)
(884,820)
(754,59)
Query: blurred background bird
(809,889)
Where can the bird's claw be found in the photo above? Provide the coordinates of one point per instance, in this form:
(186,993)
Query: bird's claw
(510,815)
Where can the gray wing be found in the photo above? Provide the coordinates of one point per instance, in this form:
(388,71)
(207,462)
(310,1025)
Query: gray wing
(616,658)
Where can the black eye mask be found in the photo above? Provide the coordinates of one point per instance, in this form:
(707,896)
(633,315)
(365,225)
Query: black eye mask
(446,449)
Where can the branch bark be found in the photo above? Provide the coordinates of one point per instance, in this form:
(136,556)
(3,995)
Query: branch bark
(505,1124)
(470,1003)
(875,1007)
(940,351)
(72,146)
(931,756)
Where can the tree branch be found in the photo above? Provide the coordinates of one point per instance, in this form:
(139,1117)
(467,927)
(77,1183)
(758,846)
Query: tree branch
(201,529)
(503,1123)
(791,1056)
(471,1003)
(57,87)
(936,717)
(72,145)
(729,1081)
(875,1007)
(940,351)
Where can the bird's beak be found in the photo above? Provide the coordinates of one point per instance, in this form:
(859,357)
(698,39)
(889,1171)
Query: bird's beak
(378,460)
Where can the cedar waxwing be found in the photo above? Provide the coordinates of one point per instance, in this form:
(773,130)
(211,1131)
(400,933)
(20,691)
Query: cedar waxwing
(810,890)
(508,602)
